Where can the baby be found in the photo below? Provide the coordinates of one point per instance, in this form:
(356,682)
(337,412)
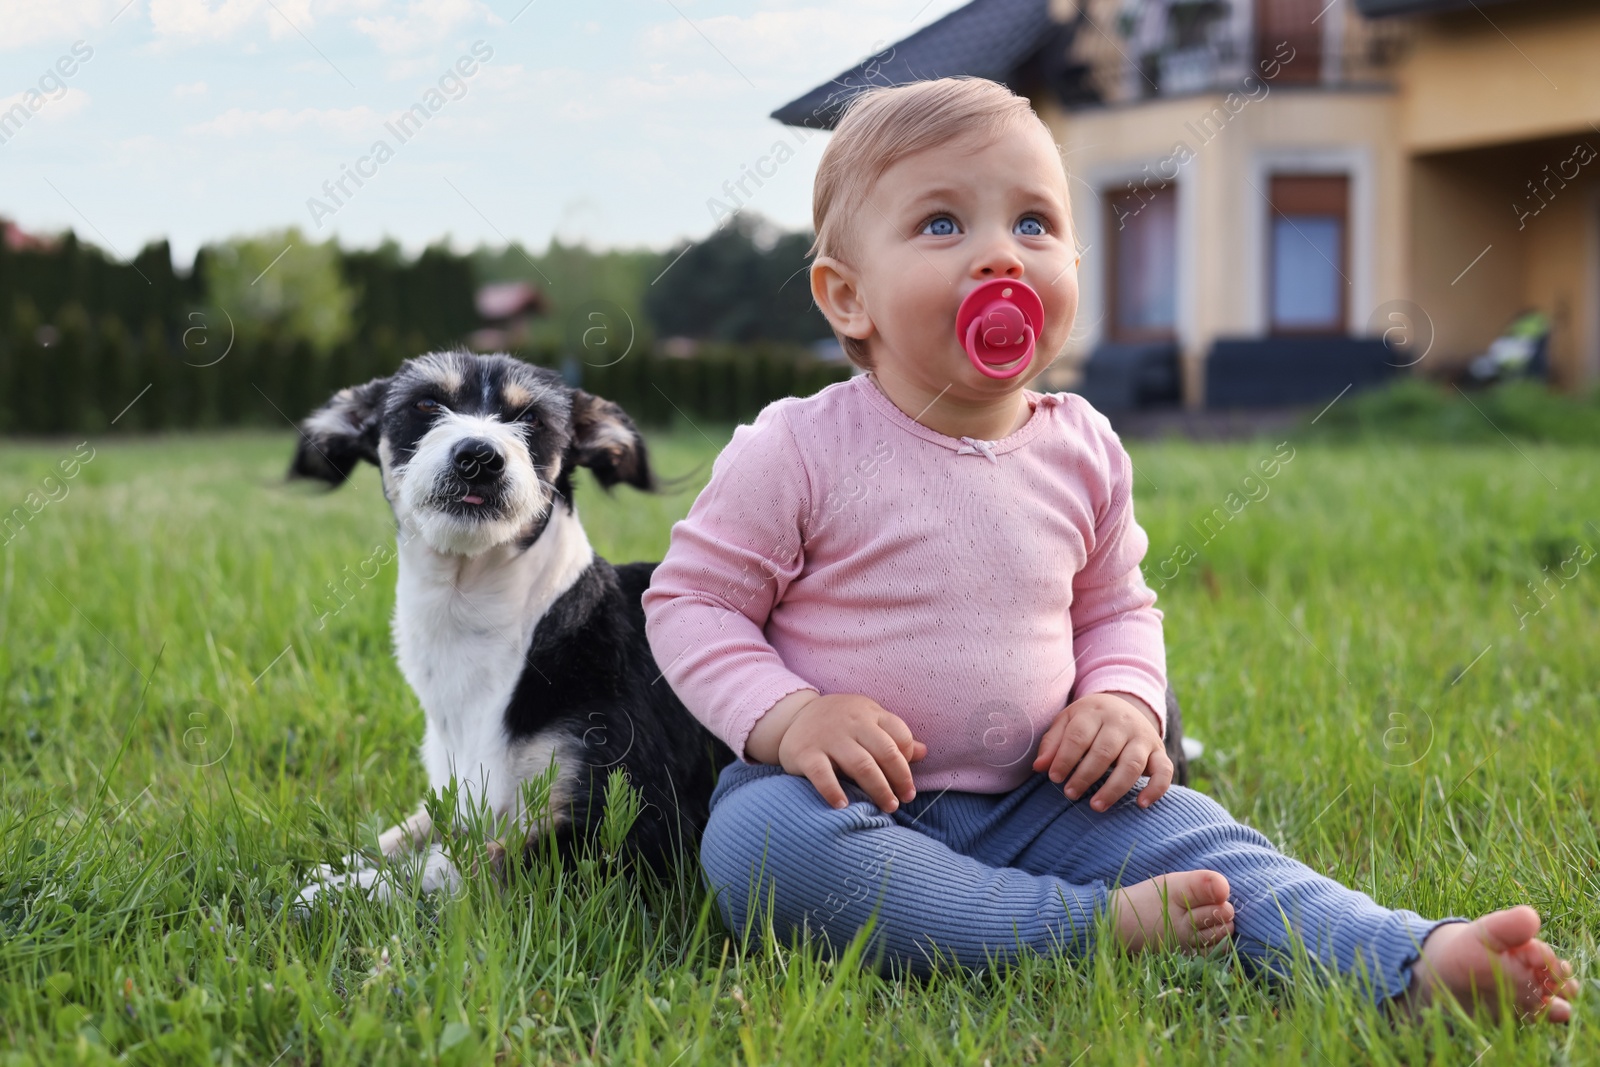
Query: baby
(931,565)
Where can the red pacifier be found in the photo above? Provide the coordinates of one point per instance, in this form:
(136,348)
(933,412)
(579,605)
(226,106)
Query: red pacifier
(998,323)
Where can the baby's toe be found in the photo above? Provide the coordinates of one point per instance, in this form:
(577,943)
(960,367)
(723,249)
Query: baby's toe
(1209,915)
(1203,888)
(1539,958)
(1509,928)
(1534,995)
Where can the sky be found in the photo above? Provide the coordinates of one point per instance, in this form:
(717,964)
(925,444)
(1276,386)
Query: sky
(617,124)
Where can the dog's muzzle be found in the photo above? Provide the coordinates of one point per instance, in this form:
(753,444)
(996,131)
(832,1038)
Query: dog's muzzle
(480,467)
(471,483)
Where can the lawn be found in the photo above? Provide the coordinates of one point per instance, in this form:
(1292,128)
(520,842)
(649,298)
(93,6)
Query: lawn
(191,720)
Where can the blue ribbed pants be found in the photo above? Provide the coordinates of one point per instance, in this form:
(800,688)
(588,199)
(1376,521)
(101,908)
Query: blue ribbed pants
(974,878)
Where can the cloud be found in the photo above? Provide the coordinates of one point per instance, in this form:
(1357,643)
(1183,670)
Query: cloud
(238,122)
(193,21)
(630,110)
(772,46)
(423,26)
(23,24)
(53,107)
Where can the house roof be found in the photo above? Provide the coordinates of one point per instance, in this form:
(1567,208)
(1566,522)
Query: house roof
(986,38)
(498,301)
(1002,40)
(1373,9)
(16,239)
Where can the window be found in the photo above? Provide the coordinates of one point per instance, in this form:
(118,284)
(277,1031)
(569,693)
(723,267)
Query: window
(1143,263)
(1308,279)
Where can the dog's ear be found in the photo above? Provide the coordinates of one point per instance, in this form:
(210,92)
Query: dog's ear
(340,434)
(606,441)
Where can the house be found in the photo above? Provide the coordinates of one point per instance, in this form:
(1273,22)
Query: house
(16,239)
(1281,198)
(505,309)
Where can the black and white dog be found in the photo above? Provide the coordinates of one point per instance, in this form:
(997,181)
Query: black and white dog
(523,646)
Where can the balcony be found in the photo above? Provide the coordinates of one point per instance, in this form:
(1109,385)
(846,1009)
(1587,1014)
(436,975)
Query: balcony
(1124,54)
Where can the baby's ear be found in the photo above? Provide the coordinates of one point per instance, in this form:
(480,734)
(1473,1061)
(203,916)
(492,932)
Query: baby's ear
(340,434)
(606,441)
(835,288)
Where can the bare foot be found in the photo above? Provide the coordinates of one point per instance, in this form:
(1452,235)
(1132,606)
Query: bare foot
(1460,960)
(1183,910)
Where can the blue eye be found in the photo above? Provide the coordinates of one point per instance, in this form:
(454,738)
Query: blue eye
(1030,226)
(939,226)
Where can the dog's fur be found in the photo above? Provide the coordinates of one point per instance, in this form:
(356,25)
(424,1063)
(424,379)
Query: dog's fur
(523,646)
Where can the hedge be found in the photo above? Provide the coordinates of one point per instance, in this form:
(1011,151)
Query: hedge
(83,375)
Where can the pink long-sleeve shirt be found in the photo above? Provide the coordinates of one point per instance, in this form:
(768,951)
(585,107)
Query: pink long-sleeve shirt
(973,588)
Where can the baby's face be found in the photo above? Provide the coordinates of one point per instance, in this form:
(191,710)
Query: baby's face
(944,220)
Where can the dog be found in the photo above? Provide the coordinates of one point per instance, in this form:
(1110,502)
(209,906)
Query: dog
(523,646)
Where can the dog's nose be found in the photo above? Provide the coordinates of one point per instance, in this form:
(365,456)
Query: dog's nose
(477,461)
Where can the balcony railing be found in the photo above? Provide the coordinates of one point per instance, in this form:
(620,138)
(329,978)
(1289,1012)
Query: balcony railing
(1123,53)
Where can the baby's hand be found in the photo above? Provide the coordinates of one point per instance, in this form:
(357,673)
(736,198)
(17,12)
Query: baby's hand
(1101,729)
(852,734)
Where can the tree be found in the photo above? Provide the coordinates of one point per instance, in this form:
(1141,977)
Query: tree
(745,282)
(280,283)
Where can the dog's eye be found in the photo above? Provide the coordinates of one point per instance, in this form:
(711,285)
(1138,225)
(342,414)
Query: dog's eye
(428,407)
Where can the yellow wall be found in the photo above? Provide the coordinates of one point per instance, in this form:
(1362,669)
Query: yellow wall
(1466,202)
(1479,106)
(1091,139)
(1488,98)
(1510,72)
(1225,207)
(1461,209)
(1560,279)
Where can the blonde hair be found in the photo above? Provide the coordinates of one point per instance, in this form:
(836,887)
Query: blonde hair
(883,125)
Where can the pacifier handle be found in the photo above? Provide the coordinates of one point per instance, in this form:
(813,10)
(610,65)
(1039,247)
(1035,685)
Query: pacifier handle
(999,323)
(973,343)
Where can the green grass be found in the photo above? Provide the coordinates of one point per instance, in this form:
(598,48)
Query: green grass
(168,773)
(1416,409)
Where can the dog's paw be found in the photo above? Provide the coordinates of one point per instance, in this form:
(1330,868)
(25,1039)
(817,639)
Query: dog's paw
(353,861)
(439,873)
(371,882)
(431,872)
